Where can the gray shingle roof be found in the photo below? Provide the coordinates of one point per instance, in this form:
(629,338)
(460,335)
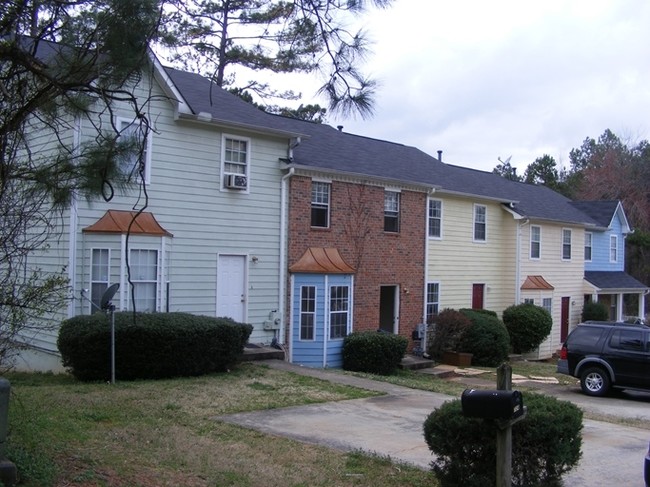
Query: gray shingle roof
(613,280)
(600,211)
(329,149)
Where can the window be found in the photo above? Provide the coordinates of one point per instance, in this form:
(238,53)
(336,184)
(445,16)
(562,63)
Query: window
(547,304)
(627,340)
(339,305)
(588,243)
(613,248)
(529,301)
(99,277)
(480,221)
(144,275)
(433,299)
(391,211)
(138,159)
(320,204)
(435,218)
(535,242)
(566,244)
(235,162)
(307,312)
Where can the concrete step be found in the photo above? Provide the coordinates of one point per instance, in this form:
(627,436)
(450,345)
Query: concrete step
(254,352)
(414,362)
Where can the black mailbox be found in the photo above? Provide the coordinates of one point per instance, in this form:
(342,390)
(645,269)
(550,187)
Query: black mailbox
(493,404)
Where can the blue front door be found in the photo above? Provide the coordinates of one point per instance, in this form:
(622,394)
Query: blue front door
(321,318)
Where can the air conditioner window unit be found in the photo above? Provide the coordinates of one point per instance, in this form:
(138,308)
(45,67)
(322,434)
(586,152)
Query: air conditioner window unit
(236,181)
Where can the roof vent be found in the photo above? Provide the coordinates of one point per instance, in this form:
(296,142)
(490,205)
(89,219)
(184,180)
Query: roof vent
(440,155)
(340,127)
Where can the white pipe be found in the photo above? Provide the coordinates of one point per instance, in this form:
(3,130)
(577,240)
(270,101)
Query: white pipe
(283,254)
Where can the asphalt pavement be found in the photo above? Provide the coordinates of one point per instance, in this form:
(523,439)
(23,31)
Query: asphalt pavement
(390,425)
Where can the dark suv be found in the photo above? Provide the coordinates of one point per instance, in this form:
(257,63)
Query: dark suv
(605,355)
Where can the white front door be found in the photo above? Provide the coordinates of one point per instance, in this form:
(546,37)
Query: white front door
(231,287)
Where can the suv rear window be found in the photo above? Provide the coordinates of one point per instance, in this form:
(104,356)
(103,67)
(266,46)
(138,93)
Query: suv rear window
(627,340)
(585,336)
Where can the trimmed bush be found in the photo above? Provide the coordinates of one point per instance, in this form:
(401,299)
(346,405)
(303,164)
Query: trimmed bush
(595,311)
(487,312)
(373,352)
(450,325)
(545,444)
(150,345)
(487,339)
(528,326)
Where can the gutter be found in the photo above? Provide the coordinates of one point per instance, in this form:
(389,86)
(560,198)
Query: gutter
(282,295)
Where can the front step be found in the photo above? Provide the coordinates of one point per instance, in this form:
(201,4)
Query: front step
(253,352)
(413,362)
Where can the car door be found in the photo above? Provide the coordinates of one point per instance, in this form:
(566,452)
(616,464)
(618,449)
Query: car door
(627,353)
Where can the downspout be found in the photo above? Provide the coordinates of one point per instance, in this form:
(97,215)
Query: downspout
(518,258)
(283,252)
(73,225)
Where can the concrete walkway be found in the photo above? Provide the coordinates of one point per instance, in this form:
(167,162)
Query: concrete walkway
(391,425)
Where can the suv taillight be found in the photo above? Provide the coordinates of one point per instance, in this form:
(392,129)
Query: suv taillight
(563,353)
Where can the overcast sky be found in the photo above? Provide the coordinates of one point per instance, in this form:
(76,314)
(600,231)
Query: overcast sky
(483,79)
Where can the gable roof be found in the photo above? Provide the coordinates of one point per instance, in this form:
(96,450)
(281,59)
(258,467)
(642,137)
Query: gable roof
(321,147)
(604,212)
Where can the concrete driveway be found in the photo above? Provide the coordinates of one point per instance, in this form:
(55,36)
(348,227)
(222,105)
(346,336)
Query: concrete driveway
(391,425)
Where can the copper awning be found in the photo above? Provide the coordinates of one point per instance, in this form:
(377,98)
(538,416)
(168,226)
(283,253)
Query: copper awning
(319,260)
(117,221)
(536,283)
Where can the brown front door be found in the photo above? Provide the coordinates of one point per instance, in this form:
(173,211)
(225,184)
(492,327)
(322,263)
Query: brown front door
(477,296)
(564,319)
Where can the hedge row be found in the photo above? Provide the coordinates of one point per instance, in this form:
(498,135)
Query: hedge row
(150,345)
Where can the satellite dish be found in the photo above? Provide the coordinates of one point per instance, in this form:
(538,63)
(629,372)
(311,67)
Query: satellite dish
(108,295)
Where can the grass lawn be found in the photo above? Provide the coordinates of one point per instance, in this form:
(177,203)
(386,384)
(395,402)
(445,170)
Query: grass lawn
(160,433)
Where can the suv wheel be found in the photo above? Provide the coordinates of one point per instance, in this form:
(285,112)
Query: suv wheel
(594,381)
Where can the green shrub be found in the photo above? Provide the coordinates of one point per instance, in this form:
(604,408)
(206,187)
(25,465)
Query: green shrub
(373,352)
(150,345)
(448,330)
(528,326)
(595,311)
(487,339)
(545,444)
(481,312)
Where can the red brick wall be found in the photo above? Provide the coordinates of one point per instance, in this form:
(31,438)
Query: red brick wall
(357,231)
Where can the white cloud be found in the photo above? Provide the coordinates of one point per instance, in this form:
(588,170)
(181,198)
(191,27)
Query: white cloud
(481,80)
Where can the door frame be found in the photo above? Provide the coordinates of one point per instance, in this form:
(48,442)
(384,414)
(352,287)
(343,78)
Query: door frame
(244,283)
(393,301)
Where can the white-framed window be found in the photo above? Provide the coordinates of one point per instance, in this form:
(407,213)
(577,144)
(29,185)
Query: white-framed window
(391,211)
(480,223)
(307,312)
(339,311)
(547,304)
(613,248)
(144,276)
(529,301)
(589,237)
(535,242)
(433,299)
(138,160)
(566,244)
(235,162)
(99,276)
(435,218)
(320,204)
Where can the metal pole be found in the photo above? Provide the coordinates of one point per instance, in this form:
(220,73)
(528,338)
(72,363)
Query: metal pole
(504,435)
(112,311)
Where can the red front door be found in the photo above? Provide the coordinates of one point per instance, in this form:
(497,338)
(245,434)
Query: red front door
(477,296)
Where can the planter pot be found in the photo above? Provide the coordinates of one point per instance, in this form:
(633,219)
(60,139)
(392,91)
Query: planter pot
(457,358)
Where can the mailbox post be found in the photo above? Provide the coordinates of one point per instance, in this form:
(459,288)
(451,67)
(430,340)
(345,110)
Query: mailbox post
(504,406)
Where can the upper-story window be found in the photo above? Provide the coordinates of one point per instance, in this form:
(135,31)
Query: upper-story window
(320,204)
(435,218)
(566,244)
(535,242)
(138,161)
(391,211)
(613,248)
(235,162)
(588,246)
(480,223)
